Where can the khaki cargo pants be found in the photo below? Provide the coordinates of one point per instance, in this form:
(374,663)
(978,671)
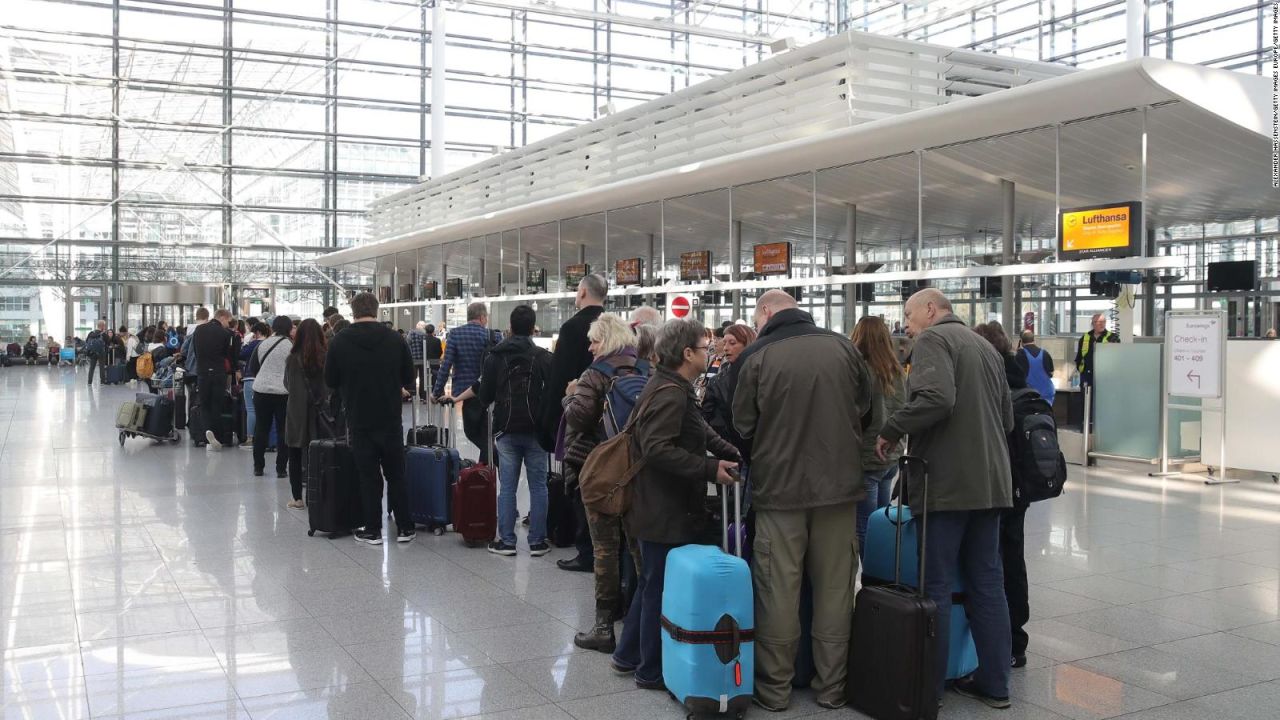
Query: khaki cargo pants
(823,542)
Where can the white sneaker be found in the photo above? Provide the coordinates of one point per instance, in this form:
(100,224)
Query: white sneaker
(212,439)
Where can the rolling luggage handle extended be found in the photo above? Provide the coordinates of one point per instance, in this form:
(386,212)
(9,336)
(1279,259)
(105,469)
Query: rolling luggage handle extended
(737,519)
(905,464)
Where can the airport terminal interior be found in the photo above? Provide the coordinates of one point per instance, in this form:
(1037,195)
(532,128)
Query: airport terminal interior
(1102,176)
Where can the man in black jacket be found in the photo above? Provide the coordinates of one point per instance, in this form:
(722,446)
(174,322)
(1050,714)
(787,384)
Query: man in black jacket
(572,357)
(370,367)
(211,344)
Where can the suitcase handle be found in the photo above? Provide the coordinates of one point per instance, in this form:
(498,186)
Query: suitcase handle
(737,519)
(906,466)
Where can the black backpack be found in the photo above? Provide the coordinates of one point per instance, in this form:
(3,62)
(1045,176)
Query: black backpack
(520,390)
(1039,470)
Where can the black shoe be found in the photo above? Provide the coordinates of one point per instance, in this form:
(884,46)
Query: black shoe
(539,549)
(405,536)
(497,547)
(619,669)
(650,684)
(577,565)
(258,473)
(1019,661)
(282,474)
(966,687)
(368,538)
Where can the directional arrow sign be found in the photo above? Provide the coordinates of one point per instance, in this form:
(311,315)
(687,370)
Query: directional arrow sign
(1195,343)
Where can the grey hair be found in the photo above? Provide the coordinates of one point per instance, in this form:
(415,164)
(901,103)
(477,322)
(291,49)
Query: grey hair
(612,333)
(646,340)
(676,336)
(477,310)
(595,285)
(646,315)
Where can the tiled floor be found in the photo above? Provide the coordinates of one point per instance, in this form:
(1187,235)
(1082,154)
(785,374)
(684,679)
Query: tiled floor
(162,581)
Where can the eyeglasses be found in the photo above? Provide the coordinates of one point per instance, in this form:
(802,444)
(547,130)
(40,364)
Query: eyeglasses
(701,347)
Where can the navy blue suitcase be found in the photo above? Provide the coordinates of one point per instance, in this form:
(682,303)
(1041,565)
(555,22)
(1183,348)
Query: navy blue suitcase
(112,374)
(431,473)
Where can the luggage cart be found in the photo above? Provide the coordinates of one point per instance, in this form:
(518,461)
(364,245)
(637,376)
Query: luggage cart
(172,436)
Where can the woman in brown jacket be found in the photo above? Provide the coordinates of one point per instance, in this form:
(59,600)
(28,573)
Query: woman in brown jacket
(613,346)
(668,504)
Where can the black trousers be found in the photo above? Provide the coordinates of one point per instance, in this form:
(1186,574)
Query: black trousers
(211,389)
(475,425)
(269,408)
(380,454)
(1012,552)
(296,455)
(96,365)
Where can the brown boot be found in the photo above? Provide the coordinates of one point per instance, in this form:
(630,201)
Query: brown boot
(600,636)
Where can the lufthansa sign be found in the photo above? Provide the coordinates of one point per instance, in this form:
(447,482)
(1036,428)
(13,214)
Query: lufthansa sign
(1100,231)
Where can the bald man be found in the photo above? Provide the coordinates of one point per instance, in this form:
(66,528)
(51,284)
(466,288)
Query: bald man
(801,397)
(958,414)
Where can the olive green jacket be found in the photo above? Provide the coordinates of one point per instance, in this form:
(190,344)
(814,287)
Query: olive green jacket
(958,414)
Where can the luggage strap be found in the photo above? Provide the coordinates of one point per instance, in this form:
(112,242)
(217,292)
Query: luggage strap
(707,637)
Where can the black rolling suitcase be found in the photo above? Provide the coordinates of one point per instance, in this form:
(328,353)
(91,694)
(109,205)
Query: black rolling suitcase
(429,435)
(159,422)
(332,495)
(894,642)
(226,422)
(560,523)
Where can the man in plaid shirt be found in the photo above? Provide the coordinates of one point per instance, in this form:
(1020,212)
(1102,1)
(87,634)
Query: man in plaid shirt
(463,357)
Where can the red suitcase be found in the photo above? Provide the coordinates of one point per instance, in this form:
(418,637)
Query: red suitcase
(475,499)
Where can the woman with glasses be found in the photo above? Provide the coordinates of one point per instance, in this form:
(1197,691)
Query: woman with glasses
(668,505)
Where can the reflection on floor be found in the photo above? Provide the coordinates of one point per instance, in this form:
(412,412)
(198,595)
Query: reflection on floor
(165,581)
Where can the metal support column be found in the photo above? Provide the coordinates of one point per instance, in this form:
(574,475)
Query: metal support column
(1149,288)
(650,266)
(850,264)
(1008,246)
(115,143)
(439,39)
(735,264)
(1135,25)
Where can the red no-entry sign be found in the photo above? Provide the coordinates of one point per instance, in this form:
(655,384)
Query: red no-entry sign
(680,306)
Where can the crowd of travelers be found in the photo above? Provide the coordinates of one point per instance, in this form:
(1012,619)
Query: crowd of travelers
(815,451)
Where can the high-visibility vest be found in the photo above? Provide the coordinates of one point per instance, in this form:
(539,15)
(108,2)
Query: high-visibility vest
(1087,344)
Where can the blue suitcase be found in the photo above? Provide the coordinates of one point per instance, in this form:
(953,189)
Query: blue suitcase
(877,569)
(431,473)
(708,623)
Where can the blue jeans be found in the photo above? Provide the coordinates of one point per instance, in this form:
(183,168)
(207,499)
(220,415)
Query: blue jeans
(640,646)
(512,449)
(250,412)
(968,542)
(879,486)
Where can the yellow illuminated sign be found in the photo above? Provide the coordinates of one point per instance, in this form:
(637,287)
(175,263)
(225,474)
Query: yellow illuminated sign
(1100,231)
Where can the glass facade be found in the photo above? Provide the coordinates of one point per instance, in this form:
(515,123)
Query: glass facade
(229,142)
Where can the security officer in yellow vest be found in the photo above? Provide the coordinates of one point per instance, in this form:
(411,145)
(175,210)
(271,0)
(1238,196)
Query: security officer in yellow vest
(1084,348)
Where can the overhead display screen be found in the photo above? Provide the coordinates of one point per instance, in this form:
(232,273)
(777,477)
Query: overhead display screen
(628,272)
(773,259)
(573,274)
(695,266)
(1100,231)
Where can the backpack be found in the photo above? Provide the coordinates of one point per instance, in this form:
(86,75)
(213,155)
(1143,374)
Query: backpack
(1039,469)
(146,366)
(521,387)
(605,479)
(95,346)
(623,393)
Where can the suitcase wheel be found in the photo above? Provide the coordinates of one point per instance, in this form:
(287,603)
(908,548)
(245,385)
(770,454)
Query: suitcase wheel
(311,533)
(437,531)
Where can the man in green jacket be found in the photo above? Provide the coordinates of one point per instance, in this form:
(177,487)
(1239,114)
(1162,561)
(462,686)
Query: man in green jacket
(802,399)
(958,414)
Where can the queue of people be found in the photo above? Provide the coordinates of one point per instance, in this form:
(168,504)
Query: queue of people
(816,451)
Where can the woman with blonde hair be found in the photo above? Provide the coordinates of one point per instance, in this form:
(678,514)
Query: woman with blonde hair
(613,347)
(888,393)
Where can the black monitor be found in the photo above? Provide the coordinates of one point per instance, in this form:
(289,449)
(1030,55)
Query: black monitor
(1235,275)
